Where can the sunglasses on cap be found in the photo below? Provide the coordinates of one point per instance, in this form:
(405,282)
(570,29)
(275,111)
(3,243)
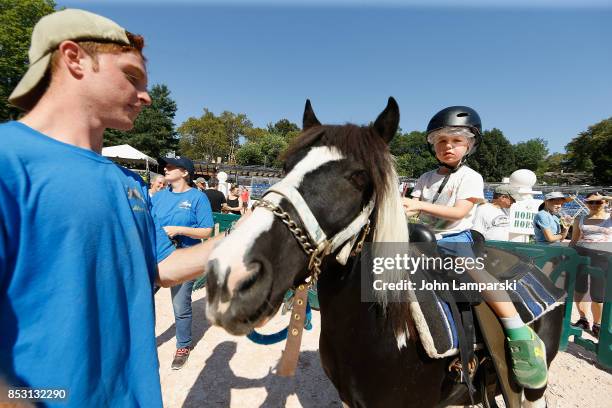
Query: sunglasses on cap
(595,202)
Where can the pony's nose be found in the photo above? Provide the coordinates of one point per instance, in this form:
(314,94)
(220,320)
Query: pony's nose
(256,270)
(213,287)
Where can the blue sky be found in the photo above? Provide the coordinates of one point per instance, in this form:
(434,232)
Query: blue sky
(530,68)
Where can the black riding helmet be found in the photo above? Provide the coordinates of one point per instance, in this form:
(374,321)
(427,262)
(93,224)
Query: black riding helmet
(458,116)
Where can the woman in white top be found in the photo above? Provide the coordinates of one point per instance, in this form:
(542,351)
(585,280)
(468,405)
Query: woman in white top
(592,237)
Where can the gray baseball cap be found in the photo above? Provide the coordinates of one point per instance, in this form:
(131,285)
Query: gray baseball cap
(48,34)
(508,190)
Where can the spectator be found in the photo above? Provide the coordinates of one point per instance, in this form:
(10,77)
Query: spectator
(234,201)
(201,184)
(547,225)
(592,236)
(215,197)
(185,215)
(492,219)
(244,195)
(159,183)
(78,260)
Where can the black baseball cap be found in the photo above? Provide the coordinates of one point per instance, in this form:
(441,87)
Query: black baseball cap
(178,161)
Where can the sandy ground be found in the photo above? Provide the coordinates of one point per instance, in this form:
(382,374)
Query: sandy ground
(228,371)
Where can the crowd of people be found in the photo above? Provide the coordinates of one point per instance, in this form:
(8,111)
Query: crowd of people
(78,263)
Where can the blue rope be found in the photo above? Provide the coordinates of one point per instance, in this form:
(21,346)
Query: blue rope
(267,339)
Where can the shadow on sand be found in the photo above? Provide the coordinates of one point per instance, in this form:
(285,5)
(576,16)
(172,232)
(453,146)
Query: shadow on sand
(199,325)
(216,380)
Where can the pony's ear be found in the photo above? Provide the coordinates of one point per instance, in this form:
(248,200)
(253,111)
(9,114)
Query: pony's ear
(387,122)
(309,120)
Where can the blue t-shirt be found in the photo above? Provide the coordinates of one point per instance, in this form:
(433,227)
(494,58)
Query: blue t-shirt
(190,208)
(78,257)
(544,219)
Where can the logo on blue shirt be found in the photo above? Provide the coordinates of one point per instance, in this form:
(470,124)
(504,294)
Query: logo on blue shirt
(185,205)
(136,200)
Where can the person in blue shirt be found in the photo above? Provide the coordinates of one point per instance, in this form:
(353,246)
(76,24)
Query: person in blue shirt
(547,225)
(79,257)
(184,213)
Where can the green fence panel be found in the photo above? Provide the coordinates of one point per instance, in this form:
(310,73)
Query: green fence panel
(567,260)
(222,223)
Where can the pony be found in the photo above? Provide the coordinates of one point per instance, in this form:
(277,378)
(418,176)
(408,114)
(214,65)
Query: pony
(369,350)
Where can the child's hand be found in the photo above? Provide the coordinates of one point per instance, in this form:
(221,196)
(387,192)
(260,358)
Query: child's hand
(411,206)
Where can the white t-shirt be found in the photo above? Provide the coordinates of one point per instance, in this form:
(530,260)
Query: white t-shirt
(463,184)
(492,222)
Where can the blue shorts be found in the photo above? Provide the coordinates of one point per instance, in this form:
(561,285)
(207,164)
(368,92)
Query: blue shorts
(458,244)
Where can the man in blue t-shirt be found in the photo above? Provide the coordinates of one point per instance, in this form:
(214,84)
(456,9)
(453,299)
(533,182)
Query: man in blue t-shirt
(78,259)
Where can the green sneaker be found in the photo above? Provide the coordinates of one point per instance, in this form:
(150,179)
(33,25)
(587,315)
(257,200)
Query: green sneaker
(529,361)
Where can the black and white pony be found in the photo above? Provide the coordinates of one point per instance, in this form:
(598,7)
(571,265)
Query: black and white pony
(368,350)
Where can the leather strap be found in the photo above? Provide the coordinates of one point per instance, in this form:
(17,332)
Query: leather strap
(288,362)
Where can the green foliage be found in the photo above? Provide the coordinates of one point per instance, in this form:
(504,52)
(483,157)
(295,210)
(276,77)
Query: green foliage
(412,155)
(590,151)
(272,146)
(204,138)
(494,158)
(602,161)
(17,19)
(556,162)
(250,154)
(291,136)
(153,132)
(211,136)
(254,134)
(531,155)
(265,151)
(283,127)
(236,125)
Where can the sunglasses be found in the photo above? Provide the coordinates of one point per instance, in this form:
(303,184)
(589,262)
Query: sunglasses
(594,202)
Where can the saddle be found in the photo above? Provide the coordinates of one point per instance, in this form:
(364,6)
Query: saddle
(449,325)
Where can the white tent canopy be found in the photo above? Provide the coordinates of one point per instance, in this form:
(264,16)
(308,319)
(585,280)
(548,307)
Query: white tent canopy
(126,152)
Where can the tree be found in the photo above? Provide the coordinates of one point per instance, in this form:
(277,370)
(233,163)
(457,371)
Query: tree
(412,154)
(602,162)
(236,126)
(531,154)
(291,136)
(204,138)
(590,151)
(494,158)
(272,146)
(250,154)
(153,132)
(17,19)
(254,134)
(283,127)
(265,151)
(555,162)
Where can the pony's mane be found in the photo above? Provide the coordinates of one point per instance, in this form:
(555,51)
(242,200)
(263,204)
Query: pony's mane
(364,144)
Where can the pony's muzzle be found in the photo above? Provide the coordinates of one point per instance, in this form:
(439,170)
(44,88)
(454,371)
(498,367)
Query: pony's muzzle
(238,297)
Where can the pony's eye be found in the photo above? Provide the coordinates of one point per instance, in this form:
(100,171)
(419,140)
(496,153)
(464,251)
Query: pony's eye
(359,179)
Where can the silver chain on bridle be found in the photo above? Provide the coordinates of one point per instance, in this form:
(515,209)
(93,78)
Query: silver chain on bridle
(309,245)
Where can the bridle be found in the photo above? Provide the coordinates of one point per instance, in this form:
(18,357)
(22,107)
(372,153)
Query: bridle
(312,239)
